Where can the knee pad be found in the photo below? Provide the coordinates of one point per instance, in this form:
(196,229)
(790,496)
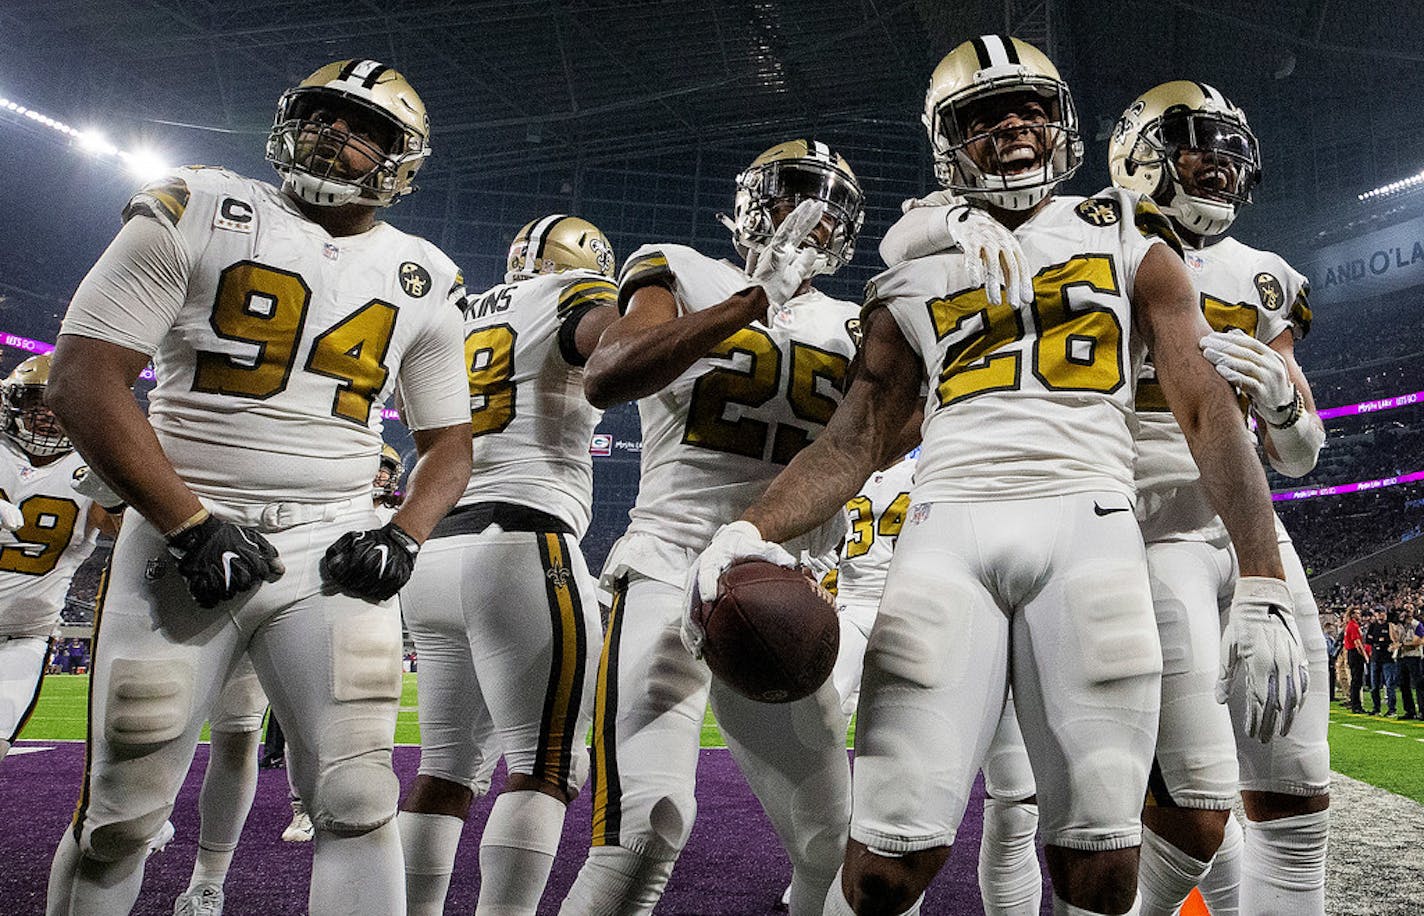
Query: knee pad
(149,703)
(355,796)
(240,705)
(122,839)
(669,824)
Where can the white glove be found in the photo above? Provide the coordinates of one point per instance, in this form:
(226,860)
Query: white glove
(10,516)
(737,541)
(995,258)
(94,487)
(1261,642)
(1257,370)
(783,265)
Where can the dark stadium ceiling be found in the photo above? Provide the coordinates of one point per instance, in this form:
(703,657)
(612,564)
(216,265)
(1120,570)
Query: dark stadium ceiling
(517,84)
(531,96)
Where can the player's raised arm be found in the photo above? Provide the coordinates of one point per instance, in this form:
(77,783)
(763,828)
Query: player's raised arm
(652,344)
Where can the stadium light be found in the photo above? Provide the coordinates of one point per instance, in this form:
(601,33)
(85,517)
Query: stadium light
(1394,187)
(145,164)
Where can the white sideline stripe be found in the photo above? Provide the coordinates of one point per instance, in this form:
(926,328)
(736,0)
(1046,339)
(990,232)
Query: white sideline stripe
(1380,731)
(27,749)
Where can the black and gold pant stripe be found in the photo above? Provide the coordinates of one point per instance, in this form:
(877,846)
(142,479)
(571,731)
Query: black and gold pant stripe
(35,699)
(607,791)
(83,804)
(563,697)
(1158,795)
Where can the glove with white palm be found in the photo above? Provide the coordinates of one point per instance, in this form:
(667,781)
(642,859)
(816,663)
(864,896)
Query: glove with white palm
(738,541)
(10,516)
(1261,647)
(941,221)
(783,264)
(1258,371)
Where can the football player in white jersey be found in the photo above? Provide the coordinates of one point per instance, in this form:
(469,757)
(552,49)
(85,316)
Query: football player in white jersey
(1021,560)
(387,479)
(501,606)
(278,322)
(735,369)
(44,536)
(1189,148)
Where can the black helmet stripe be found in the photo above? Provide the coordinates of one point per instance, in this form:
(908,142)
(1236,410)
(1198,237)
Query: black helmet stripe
(981,51)
(1010,51)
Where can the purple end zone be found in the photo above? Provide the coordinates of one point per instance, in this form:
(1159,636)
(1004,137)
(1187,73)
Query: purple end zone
(732,864)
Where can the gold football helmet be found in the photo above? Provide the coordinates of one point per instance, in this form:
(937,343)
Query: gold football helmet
(388,477)
(787,174)
(977,70)
(1187,117)
(28,422)
(385,120)
(557,243)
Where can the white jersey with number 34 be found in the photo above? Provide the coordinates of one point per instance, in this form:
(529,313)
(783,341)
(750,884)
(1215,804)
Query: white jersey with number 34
(1038,401)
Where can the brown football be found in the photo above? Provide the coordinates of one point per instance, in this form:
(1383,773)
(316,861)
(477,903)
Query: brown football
(772,632)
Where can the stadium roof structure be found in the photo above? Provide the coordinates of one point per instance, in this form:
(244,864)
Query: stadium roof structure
(636,113)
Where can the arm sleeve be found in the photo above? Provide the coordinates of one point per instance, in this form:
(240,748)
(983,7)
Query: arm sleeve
(433,388)
(644,267)
(131,297)
(577,300)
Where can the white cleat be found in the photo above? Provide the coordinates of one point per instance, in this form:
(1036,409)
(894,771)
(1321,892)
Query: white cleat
(160,842)
(300,830)
(785,902)
(203,900)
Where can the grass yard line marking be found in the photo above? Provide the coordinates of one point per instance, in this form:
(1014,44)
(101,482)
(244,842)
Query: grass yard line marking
(1380,731)
(1350,725)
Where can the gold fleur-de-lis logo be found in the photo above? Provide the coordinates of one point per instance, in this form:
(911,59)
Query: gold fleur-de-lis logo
(559,575)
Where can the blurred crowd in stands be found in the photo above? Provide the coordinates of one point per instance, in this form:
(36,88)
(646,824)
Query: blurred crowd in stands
(1375,636)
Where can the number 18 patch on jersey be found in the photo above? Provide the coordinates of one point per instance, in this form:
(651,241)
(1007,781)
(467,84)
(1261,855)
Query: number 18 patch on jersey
(1035,401)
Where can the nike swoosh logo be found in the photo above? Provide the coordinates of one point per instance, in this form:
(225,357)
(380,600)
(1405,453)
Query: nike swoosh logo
(385,555)
(1099,510)
(227,558)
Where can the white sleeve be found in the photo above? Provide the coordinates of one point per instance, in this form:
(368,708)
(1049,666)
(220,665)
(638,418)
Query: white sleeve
(131,297)
(432,387)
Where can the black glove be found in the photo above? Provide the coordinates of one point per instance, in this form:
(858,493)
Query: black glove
(370,564)
(220,560)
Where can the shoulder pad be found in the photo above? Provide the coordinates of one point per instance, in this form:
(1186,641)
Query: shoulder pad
(586,291)
(165,199)
(1153,224)
(647,265)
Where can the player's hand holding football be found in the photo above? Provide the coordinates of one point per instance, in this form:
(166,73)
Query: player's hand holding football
(373,564)
(10,516)
(783,265)
(1258,371)
(738,541)
(1261,646)
(221,560)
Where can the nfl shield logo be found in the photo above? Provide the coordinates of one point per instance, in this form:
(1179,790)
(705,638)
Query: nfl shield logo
(330,251)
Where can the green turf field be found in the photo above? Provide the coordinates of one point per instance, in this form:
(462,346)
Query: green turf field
(1383,752)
